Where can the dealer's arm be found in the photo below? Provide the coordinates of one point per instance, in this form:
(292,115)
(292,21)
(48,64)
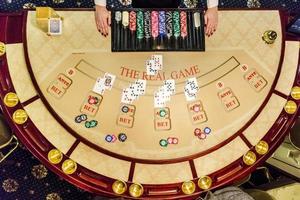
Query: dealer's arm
(103,19)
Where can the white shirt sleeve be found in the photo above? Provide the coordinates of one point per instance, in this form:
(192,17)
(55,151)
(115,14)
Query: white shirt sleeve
(100,2)
(210,3)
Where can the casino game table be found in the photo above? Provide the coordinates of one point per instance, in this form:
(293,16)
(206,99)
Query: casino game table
(247,102)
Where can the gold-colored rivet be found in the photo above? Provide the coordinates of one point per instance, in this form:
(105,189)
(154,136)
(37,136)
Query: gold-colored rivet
(295,93)
(290,107)
(55,156)
(11,99)
(188,187)
(249,158)
(136,190)
(2,49)
(69,166)
(20,116)
(204,182)
(119,187)
(262,147)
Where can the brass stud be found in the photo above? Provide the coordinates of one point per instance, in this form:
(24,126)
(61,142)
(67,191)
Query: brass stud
(55,156)
(204,182)
(262,147)
(295,93)
(269,36)
(290,107)
(188,187)
(119,187)
(11,99)
(20,116)
(136,190)
(69,166)
(2,49)
(249,158)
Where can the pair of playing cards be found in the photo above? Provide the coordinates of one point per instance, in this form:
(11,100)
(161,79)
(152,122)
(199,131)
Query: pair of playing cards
(154,64)
(134,91)
(191,89)
(54,26)
(163,94)
(104,83)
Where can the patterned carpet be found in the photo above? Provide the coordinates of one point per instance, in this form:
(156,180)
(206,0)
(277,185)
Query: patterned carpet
(22,177)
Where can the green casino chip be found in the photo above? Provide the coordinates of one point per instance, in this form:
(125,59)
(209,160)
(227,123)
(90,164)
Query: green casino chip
(140,25)
(93,123)
(176,23)
(87,124)
(163,143)
(162,113)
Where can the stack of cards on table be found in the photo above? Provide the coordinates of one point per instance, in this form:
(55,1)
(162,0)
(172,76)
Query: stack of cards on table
(104,83)
(154,64)
(163,94)
(133,92)
(191,88)
(54,26)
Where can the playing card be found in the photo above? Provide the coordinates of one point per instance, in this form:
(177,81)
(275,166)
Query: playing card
(133,92)
(158,61)
(54,26)
(109,80)
(141,86)
(99,86)
(191,89)
(190,96)
(126,97)
(192,85)
(158,100)
(169,86)
(150,68)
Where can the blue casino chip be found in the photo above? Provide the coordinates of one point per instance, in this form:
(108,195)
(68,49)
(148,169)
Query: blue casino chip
(207,130)
(108,138)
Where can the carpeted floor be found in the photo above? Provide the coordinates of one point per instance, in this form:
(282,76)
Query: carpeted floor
(22,177)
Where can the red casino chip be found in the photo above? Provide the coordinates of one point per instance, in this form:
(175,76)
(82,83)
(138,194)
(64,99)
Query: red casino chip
(92,100)
(114,138)
(175,141)
(202,136)
(197,131)
(196,108)
(170,140)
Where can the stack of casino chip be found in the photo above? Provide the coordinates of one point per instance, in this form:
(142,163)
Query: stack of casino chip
(80,118)
(132,28)
(147,24)
(87,124)
(162,23)
(91,124)
(132,21)
(183,24)
(169,140)
(122,137)
(169,24)
(202,134)
(140,25)
(176,28)
(111,138)
(154,24)
(176,24)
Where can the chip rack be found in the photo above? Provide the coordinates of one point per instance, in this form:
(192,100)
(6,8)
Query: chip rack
(157,30)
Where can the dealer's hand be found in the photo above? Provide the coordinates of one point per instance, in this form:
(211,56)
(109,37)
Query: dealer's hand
(211,20)
(103,19)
